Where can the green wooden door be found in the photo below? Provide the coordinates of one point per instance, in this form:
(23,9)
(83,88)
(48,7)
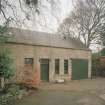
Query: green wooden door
(44,67)
(79,69)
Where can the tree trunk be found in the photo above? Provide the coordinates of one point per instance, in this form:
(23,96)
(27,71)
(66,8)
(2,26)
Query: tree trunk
(2,82)
(0,6)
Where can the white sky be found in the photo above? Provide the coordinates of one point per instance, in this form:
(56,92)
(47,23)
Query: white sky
(48,20)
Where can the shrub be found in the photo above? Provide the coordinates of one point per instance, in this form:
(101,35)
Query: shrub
(7,100)
(6,68)
(95,63)
(13,90)
(103,52)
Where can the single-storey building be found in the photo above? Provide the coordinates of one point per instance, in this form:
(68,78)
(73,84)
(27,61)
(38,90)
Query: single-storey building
(40,56)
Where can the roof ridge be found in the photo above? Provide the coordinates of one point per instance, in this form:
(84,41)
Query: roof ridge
(43,38)
(22,29)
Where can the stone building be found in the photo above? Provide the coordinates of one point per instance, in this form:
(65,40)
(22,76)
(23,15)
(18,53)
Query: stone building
(40,56)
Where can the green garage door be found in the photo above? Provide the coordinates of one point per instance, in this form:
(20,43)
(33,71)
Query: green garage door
(44,68)
(79,69)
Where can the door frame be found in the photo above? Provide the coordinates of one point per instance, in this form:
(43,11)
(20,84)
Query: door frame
(47,63)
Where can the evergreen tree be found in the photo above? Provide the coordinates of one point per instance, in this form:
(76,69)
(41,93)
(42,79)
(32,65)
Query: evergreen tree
(6,69)
(103,52)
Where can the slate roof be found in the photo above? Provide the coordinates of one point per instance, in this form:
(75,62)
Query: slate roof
(44,39)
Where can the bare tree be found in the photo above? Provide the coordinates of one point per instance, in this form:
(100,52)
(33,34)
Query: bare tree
(30,8)
(8,9)
(102,32)
(86,21)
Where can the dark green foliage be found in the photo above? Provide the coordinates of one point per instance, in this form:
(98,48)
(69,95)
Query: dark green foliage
(95,60)
(6,70)
(95,63)
(14,90)
(102,52)
(102,32)
(7,100)
(3,29)
(103,38)
(4,36)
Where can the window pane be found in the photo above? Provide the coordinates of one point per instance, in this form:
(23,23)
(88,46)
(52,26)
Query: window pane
(56,66)
(28,60)
(65,66)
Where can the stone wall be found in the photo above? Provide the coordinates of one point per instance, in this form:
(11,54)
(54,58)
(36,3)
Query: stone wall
(20,51)
(59,53)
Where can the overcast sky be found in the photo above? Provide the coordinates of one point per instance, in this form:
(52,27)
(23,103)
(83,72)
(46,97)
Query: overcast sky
(48,20)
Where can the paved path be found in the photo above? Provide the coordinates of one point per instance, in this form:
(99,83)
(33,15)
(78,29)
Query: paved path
(77,85)
(62,98)
(85,92)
